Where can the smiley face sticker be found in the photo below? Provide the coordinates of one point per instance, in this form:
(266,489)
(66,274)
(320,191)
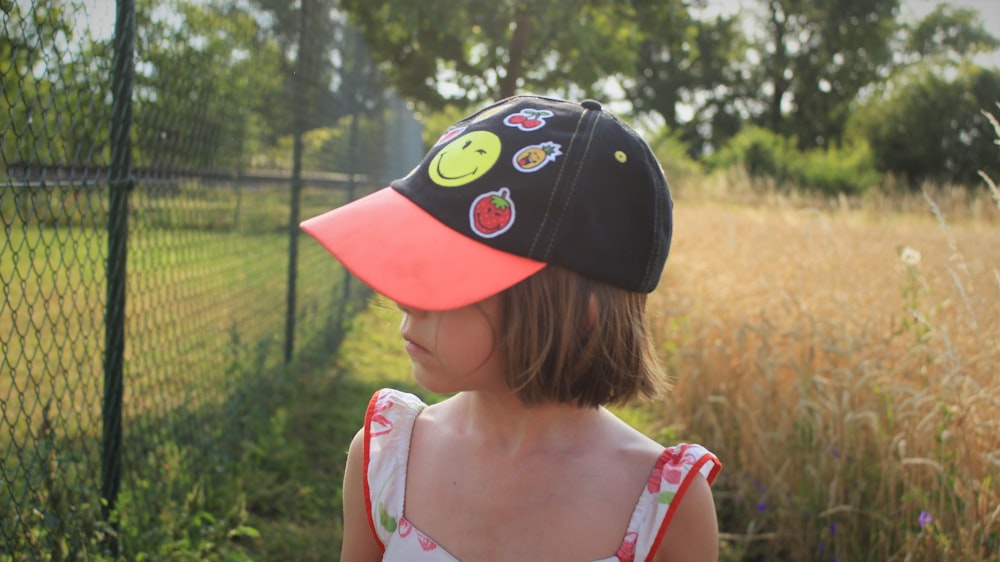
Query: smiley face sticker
(465,159)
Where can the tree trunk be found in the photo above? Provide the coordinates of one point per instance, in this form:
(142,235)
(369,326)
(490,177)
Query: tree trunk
(515,66)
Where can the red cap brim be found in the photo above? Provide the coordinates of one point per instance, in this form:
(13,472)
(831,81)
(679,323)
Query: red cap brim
(402,252)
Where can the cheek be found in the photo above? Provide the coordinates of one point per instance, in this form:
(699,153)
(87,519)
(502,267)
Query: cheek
(465,344)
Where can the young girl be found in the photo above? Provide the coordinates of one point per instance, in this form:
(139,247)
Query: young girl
(520,252)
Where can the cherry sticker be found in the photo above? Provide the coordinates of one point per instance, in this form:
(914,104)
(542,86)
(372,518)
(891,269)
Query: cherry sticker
(528,119)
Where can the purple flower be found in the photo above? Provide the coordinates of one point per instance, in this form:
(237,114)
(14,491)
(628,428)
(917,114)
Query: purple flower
(924,519)
(835,452)
(833,528)
(762,506)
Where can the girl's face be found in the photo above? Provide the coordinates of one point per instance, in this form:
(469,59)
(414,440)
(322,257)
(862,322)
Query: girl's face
(455,350)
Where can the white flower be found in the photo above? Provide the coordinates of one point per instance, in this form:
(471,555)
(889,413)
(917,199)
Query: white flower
(909,255)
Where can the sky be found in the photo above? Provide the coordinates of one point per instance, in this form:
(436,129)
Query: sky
(910,11)
(101,15)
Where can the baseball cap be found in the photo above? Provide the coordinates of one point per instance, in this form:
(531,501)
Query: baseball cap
(526,182)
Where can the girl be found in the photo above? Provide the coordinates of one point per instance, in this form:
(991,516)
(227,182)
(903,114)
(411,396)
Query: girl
(520,252)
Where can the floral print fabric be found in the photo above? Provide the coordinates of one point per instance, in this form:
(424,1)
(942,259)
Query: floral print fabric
(388,426)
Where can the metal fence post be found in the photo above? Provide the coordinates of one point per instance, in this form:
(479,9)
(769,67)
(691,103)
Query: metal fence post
(120,182)
(301,68)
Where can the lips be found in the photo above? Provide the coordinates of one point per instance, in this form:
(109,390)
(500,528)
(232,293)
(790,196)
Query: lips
(414,348)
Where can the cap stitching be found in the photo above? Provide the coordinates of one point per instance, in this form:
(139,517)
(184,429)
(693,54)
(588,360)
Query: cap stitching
(555,190)
(653,257)
(572,185)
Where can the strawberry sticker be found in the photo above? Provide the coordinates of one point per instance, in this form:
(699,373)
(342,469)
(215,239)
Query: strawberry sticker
(534,157)
(528,119)
(492,213)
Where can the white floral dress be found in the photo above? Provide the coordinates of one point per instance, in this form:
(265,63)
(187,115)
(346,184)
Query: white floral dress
(388,426)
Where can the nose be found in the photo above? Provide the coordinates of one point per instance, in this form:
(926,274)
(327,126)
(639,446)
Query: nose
(412,311)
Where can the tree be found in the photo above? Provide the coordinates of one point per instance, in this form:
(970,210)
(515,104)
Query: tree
(924,123)
(950,32)
(683,61)
(35,38)
(201,72)
(311,36)
(467,51)
(814,59)
(926,126)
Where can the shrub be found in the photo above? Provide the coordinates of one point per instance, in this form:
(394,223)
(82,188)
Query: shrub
(769,157)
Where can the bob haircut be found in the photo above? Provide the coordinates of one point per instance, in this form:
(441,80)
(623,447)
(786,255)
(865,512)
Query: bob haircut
(572,340)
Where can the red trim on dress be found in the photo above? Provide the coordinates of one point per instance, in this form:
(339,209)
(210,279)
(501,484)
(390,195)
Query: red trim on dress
(676,501)
(367,459)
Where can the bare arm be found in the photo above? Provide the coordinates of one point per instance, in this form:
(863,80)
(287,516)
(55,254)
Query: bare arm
(693,534)
(359,544)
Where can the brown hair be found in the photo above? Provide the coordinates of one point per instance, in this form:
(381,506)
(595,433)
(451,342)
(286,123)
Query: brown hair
(569,339)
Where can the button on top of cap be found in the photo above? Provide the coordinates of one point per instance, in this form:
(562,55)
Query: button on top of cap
(591,104)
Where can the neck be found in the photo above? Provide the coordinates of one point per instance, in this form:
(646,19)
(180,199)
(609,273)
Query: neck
(508,426)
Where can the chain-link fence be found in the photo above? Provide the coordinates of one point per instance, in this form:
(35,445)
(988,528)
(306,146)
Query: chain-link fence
(156,159)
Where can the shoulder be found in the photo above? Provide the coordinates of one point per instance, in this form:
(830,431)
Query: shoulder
(690,529)
(693,533)
(358,540)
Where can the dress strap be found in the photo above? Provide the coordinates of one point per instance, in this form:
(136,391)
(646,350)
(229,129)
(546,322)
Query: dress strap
(388,426)
(673,474)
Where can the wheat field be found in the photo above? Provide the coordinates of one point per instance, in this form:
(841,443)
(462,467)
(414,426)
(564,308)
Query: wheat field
(842,361)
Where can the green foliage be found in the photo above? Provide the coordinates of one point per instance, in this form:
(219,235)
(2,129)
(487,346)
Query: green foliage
(837,169)
(203,76)
(950,30)
(771,158)
(678,165)
(471,51)
(204,522)
(437,122)
(814,58)
(927,124)
(171,512)
(761,152)
(686,61)
(42,36)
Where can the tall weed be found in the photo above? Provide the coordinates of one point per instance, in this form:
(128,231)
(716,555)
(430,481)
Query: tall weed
(844,367)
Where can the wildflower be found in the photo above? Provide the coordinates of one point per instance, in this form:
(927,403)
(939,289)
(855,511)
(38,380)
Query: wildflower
(924,519)
(762,506)
(909,255)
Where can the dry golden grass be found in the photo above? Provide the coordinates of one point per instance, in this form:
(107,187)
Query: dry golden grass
(851,390)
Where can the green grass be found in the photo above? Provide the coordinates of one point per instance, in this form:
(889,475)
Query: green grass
(294,474)
(205,327)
